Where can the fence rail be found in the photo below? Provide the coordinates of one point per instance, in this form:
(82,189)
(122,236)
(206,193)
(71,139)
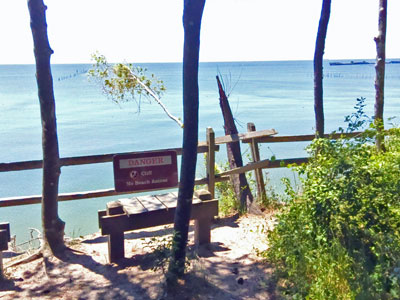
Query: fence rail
(211,145)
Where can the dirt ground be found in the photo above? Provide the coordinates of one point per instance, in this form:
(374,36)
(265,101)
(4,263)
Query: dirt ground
(227,269)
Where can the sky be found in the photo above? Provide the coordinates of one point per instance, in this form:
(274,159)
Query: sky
(232,30)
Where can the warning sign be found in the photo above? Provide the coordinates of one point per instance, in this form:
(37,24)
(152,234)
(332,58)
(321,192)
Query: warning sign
(145,171)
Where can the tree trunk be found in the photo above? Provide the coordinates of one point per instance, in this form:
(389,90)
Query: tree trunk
(192,14)
(53,226)
(318,67)
(380,41)
(234,153)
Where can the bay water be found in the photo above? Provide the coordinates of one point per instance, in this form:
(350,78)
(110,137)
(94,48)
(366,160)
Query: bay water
(275,95)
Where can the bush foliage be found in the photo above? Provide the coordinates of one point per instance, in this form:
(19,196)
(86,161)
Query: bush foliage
(339,237)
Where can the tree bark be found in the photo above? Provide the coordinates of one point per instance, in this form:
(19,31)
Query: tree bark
(239,181)
(192,14)
(318,67)
(380,41)
(53,226)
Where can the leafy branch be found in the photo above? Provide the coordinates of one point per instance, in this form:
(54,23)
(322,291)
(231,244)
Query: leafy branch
(125,82)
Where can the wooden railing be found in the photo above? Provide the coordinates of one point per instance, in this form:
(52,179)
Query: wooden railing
(211,145)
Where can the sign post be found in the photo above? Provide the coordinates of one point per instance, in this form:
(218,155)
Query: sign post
(145,171)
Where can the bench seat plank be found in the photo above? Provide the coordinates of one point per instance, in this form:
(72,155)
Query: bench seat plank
(151,203)
(170,199)
(132,205)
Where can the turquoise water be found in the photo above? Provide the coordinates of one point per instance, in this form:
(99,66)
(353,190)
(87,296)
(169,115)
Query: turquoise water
(271,94)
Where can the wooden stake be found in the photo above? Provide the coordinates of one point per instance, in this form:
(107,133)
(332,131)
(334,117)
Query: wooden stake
(255,154)
(211,161)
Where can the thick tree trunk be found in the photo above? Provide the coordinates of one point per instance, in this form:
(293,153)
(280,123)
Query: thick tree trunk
(53,226)
(192,14)
(318,67)
(234,153)
(380,41)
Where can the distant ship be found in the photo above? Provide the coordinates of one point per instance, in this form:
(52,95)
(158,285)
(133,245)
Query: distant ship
(336,63)
(364,62)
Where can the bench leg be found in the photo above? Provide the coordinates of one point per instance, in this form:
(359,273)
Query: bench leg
(1,266)
(116,249)
(202,231)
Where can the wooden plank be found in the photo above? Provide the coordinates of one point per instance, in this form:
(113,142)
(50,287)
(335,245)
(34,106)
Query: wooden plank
(132,206)
(150,202)
(298,138)
(83,160)
(36,199)
(168,200)
(244,136)
(114,224)
(249,167)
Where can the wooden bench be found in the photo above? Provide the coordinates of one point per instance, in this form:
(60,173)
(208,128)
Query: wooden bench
(149,211)
(5,238)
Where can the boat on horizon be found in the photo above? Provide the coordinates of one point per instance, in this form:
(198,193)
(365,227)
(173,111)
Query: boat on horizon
(351,63)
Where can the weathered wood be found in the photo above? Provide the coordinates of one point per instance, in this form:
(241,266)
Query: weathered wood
(255,155)
(35,199)
(114,208)
(211,161)
(1,266)
(298,138)
(85,160)
(17,201)
(168,200)
(249,167)
(150,203)
(244,136)
(116,247)
(3,239)
(6,226)
(202,231)
(203,195)
(132,206)
(234,154)
(112,224)
(100,214)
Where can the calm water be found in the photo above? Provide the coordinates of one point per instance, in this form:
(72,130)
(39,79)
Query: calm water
(271,94)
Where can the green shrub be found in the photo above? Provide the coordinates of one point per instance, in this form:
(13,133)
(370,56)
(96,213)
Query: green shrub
(339,238)
(225,193)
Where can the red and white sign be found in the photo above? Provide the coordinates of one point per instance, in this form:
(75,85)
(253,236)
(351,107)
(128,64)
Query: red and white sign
(145,171)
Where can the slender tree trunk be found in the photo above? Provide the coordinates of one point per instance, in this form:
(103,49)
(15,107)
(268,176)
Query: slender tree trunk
(192,14)
(234,153)
(318,67)
(53,226)
(380,41)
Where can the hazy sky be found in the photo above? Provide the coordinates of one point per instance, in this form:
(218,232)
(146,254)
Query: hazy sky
(232,30)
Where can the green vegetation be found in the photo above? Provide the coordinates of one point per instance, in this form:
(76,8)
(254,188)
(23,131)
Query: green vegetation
(227,200)
(339,237)
(229,203)
(125,82)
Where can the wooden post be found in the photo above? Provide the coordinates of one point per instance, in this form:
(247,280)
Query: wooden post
(5,237)
(255,155)
(211,161)
(116,247)
(202,226)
